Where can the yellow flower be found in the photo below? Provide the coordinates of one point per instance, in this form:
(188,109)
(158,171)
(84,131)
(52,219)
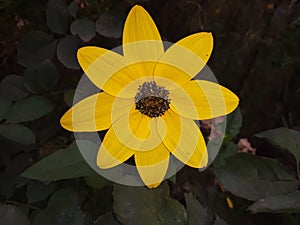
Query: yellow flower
(149,100)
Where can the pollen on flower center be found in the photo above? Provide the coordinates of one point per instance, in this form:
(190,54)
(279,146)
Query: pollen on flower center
(152,100)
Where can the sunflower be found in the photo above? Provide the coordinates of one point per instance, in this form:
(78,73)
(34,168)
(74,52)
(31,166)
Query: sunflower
(150,100)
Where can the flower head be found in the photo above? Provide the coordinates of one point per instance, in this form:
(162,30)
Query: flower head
(149,100)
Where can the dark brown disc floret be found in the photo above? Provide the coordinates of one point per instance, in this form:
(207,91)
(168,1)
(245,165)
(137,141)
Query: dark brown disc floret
(152,100)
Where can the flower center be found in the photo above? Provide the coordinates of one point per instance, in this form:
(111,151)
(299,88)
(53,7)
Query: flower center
(152,100)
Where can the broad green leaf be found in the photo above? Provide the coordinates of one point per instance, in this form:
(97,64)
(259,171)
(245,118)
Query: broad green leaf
(35,47)
(287,203)
(60,215)
(96,181)
(63,209)
(110,24)
(63,164)
(12,88)
(42,77)
(5,105)
(227,150)
(37,191)
(48,75)
(284,138)
(252,177)
(11,215)
(73,9)
(57,16)
(65,196)
(140,205)
(17,133)
(107,219)
(175,213)
(29,109)
(234,123)
(197,214)
(21,181)
(67,51)
(31,80)
(84,28)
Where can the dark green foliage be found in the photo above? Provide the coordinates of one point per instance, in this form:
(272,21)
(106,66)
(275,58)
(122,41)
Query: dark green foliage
(67,51)
(44,179)
(139,205)
(63,164)
(11,215)
(84,28)
(35,47)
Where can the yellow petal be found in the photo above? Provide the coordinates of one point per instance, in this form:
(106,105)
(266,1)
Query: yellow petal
(112,152)
(183,139)
(201,100)
(88,55)
(189,56)
(139,124)
(102,66)
(137,131)
(93,113)
(126,81)
(170,76)
(141,39)
(152,165)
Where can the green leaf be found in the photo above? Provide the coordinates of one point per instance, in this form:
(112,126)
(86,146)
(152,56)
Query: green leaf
(67,51)
(287,203)
(227,150)
(42,77)
(48,75)
(57,16)
(65,196)
(197,214)
(107,219)
(96,181)
(37,191)
(63,164)
(5,105)
(284,138)
(252,177)
(17,133)
(110,24)
(234,123)
(60,215)
(63,209)
(35,47)
(73,9)
(175,213)
(31,81)
(140,205)
(11,215)
(29,109)
(84,28)
(12,88)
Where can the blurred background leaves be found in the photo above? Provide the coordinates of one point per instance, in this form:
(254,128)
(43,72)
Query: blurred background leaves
(255,177)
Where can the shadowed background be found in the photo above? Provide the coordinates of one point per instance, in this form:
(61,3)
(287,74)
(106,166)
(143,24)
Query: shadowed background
(255,55)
